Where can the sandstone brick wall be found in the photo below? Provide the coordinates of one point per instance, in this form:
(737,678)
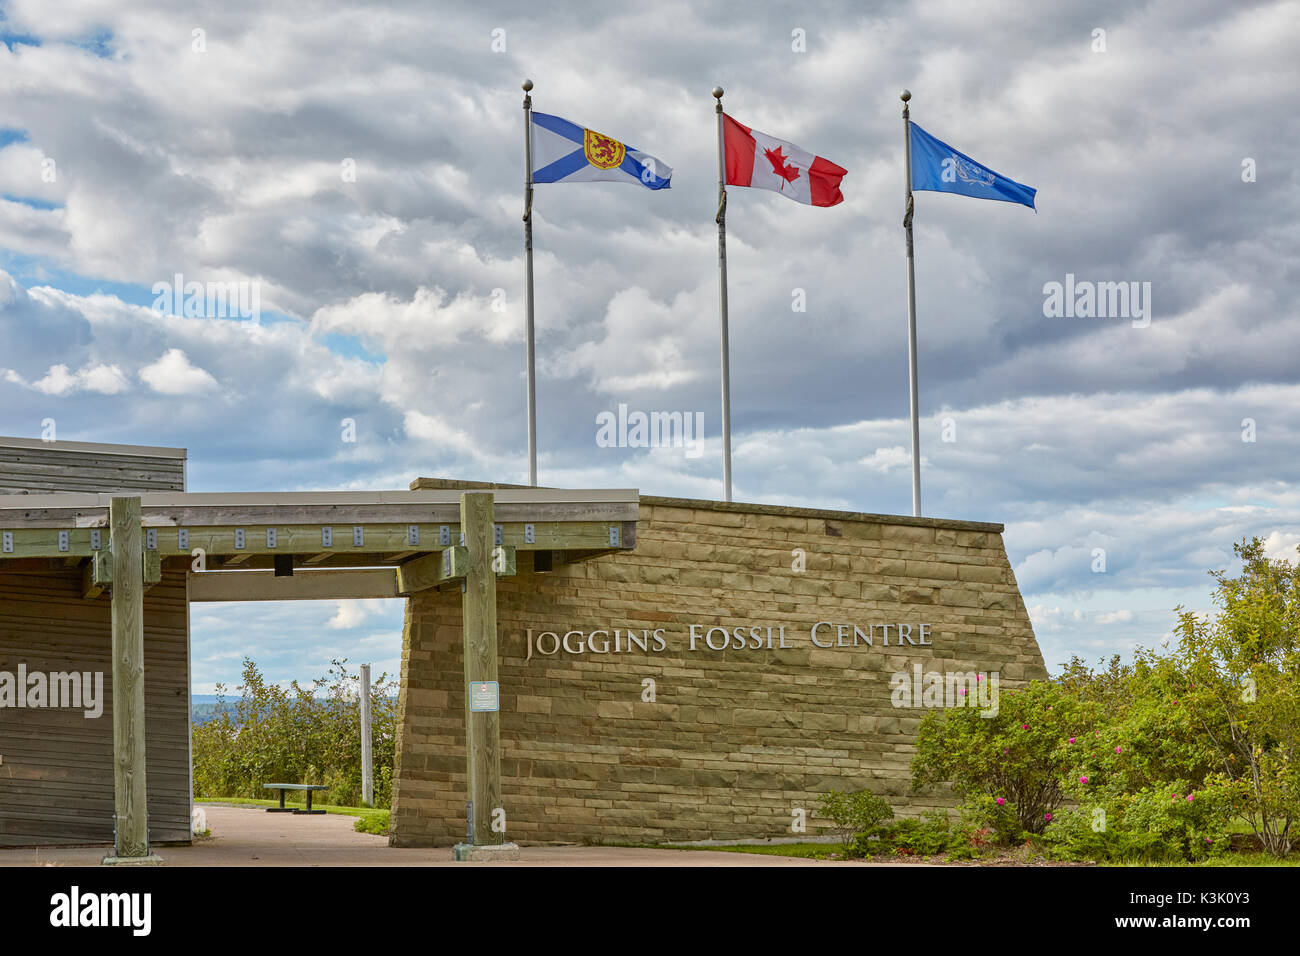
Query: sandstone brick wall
(735,739)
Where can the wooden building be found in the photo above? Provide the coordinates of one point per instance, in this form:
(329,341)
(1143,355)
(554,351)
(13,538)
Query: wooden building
(577,664)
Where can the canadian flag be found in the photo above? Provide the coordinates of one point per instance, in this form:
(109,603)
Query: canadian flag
(765,162)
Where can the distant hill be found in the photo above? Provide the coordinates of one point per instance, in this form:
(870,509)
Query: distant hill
(205,707)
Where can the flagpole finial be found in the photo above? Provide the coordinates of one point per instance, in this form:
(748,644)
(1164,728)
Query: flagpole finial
(905,95)
(527,84)
(717,92)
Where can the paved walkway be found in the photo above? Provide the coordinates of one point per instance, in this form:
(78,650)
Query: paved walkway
(243,836)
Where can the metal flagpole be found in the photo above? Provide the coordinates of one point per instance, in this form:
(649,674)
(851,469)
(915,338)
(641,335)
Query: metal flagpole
(911,308)
(722,300)
(528,280)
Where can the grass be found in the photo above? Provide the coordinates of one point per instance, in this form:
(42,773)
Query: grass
(807,851)
(824,851)
(370,819)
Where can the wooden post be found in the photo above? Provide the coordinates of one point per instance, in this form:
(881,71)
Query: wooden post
(482,727)
(367,767)
(132,842)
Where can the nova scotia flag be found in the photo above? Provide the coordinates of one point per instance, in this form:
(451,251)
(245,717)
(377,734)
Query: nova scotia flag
(565,152)
(938,167)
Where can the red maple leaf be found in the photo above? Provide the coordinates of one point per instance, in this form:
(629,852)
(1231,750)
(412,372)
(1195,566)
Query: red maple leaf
(788,173)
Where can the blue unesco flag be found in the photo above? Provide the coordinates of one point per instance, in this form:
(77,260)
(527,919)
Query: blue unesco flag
(938,167)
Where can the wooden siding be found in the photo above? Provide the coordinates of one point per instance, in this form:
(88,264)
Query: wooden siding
(56,765)
(29,470)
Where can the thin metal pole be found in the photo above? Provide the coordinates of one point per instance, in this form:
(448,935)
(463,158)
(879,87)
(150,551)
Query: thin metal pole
(722,299)
(528,281)
(911,308)
(367,764)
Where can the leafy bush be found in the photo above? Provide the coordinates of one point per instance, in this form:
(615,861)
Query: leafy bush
(1218,716)
(854,813)
(1020,754)
(297,735)
(1163,823)
(928,835)
(985,821)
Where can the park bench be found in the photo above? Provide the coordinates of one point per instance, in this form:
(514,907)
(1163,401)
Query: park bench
(282,787)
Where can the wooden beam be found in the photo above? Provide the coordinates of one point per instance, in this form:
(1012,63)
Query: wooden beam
(240,541)
(128,680)
(432,570)
(479,617)
(303,586)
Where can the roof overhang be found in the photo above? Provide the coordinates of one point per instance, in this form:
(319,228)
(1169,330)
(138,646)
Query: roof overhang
(317,530)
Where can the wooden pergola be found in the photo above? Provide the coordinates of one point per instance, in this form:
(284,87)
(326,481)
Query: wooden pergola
(306,546)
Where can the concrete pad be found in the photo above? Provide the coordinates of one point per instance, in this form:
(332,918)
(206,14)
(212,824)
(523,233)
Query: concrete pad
(249,836)
(496,853)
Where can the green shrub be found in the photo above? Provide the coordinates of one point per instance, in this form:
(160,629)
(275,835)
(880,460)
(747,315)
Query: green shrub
(1020,753)
(854,813)
(1157,824)
(927,836)
(985,821)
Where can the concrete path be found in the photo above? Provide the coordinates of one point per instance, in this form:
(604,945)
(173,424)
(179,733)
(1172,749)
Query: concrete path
(249,836)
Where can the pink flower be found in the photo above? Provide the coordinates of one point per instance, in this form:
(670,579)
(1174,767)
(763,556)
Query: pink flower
(1118,749)
(1001,801)
(1047,817)
(1006,750)
(963,691)
(1189,798)
(1024,726)
(1099,733)
(1208,840)
(1083,779)
(1071,740)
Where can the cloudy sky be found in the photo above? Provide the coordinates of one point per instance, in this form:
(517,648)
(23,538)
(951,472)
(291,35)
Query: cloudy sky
(360,172)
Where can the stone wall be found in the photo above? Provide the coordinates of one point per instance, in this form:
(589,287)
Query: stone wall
(734,740)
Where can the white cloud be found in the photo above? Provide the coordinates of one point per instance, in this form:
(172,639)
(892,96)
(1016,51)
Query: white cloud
(225,166)
(174,374)
(103,379)
(1114,617)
